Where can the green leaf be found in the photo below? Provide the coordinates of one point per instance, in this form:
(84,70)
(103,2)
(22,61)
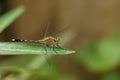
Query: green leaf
(110,76)
(100,56)
(9,17)
(9,48)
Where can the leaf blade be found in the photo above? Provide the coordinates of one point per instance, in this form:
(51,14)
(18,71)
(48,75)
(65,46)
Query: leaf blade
(10,48)
(9,17)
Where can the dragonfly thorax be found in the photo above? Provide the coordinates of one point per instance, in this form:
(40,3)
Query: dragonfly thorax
(50,40)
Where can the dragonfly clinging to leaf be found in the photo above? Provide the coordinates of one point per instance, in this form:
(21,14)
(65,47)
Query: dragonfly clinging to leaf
(47,41)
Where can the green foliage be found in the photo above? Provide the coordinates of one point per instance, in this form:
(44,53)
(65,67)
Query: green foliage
(102,55)
(9,17)
(110,76)
(19,48)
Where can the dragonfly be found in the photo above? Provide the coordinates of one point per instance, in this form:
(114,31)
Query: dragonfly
(47,40)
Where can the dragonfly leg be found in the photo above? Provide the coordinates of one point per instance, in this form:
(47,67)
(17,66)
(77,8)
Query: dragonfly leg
(58,46)
(54,46)
(47,56)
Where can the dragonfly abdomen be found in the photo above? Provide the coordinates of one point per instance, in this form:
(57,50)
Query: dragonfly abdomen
(22,40)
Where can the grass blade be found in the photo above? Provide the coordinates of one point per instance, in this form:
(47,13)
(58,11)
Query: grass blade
(9,17)
(10,48)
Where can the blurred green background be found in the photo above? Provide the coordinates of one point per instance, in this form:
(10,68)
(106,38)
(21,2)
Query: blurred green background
(93,33)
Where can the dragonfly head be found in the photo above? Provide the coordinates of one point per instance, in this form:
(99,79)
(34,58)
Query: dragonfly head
(57,40)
